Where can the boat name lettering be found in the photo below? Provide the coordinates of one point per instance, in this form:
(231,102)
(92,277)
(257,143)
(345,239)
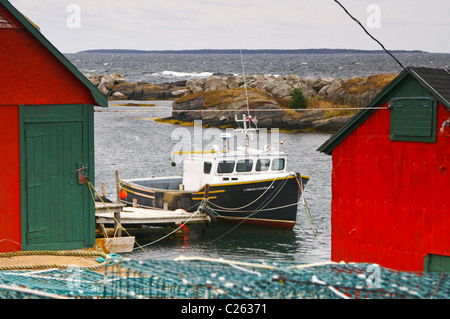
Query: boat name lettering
(257,188)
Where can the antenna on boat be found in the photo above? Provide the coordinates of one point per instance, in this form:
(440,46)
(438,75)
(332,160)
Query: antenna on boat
(245,83)
(245,118)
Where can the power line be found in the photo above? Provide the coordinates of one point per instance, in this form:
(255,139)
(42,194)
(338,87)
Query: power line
(234,111)
(360,24)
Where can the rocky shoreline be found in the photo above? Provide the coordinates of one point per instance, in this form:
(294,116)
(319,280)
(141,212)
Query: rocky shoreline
(217,99)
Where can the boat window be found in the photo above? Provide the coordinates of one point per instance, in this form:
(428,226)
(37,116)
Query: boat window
(207,167)
(225,167)
(262,165)
(278,164)
(244,165)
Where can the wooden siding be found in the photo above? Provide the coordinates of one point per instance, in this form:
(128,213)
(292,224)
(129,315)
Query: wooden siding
(10,237)
(390,198)
(31,74)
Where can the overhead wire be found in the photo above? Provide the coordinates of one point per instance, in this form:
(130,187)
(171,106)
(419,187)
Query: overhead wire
(367,32)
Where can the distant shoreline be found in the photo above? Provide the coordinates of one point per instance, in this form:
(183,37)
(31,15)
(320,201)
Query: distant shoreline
(247,51)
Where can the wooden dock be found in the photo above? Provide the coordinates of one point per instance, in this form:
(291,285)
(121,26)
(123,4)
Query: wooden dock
(130,216)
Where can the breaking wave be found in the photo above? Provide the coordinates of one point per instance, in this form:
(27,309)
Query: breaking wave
(183,74)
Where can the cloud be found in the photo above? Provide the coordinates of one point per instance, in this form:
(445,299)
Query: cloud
(221,24)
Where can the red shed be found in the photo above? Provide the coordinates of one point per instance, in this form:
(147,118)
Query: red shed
(46,131)
(391,176)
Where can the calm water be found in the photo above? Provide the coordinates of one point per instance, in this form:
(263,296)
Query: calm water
(129,141)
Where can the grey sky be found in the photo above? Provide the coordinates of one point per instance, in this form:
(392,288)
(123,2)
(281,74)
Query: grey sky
(231,24)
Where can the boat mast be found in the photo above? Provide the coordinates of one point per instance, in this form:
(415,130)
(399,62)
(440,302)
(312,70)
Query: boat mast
(246,129)
(245,83)
(248,118)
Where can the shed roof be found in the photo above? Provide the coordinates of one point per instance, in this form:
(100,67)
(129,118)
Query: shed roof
(100,98)
(435,81)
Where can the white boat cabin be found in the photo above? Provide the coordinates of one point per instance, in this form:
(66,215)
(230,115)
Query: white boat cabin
(232,167)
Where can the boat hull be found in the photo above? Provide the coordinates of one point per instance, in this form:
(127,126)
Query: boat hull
(269,202)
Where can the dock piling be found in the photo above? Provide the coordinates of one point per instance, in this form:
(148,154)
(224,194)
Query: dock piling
(117,214)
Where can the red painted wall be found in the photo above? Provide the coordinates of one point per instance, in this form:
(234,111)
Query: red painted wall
(30,75)
(9,179)
(391,200)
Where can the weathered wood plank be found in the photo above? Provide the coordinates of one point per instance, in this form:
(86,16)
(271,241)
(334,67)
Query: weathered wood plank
(134,215)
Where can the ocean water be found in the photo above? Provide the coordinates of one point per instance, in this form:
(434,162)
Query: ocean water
(161,68)
(128,140)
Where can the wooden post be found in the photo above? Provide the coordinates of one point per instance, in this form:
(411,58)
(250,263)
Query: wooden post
(103,190)
(206,196)
(117,215)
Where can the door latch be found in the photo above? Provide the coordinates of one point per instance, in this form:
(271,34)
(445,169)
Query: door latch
(82,178)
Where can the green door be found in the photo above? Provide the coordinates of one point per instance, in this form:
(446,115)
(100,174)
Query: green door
(58,212)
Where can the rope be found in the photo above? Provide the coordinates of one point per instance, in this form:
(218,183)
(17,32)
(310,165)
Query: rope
(93,198)
(153,242)
(308,212)
(112,214)
(28,291)
(246,217)
(262,206)
(52,253)
(224,261)
(253,110)
(175,230)
(238,208)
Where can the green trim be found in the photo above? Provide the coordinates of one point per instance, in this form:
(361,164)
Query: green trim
(96,94)
(90,206)
(23,174)
(413,123)
(378,101)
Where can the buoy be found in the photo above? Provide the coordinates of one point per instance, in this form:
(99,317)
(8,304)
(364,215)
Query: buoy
(123,194)
(184,228)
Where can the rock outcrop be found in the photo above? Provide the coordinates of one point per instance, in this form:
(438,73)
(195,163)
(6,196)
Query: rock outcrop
(217,99)
(114,86)
(354,92)
(219,107)
(268,92)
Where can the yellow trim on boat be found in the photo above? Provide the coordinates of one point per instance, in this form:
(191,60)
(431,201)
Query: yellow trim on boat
(258,181)
(211,192)
(137,187)
(201,198)
(137,193)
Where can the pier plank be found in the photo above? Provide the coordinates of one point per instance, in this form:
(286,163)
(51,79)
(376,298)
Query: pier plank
(136,215)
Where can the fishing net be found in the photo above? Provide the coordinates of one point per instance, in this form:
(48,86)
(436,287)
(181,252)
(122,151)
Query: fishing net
(200,278)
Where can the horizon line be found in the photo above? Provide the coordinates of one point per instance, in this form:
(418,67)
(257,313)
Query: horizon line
(236,51)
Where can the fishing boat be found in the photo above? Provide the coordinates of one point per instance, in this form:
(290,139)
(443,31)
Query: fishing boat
(245,185)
